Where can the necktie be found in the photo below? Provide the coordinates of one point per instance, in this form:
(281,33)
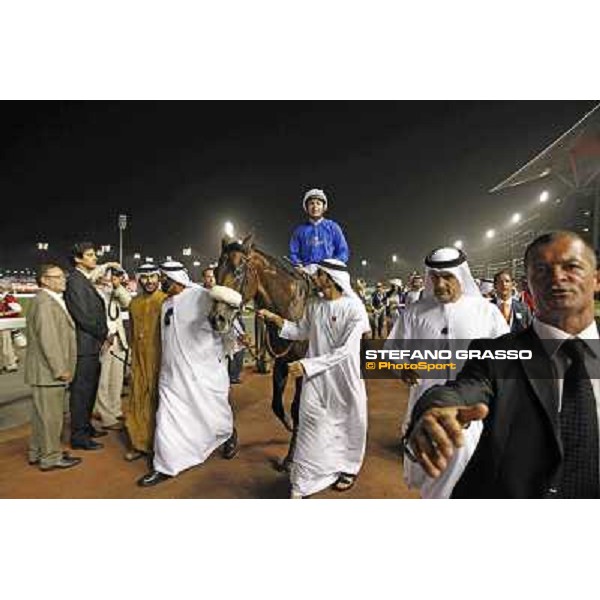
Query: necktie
(578,429)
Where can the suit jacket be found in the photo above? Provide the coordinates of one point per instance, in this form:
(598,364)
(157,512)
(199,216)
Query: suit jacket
(521,317)
(51,342)
(88,310)
(519,454)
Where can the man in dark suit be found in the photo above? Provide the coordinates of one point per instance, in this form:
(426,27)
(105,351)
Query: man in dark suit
(540,434)
(88,311)
(517,314)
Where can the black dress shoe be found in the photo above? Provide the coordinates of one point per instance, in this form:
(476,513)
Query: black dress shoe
(152,478)
(230,447)
(95,433)
(66,462)
(37,460)
(89,445)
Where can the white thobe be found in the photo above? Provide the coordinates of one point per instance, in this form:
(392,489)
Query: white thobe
(412,296)
(194,416)
(469,318)
(332,428)
(112,362)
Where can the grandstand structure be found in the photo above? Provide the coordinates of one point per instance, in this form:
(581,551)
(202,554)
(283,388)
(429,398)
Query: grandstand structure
(571,165)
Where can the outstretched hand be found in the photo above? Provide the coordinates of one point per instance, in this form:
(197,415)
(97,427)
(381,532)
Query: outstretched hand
(267,315)
(439,431)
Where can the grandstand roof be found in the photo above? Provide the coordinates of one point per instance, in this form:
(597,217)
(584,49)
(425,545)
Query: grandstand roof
(574,158)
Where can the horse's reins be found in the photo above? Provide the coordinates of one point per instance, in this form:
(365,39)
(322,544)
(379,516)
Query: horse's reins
(251,348)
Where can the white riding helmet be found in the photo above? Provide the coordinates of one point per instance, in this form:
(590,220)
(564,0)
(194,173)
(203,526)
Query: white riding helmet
(315,193)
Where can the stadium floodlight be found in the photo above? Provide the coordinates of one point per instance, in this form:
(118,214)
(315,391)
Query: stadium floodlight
(229,229)
(516,218)
(394,258)
(137,256)
(187,251)
(544,196)
(458,244)
(363,262)
(490,233)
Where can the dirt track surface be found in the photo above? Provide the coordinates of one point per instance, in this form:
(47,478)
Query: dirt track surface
(251,474)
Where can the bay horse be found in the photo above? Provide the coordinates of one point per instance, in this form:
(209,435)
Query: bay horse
(269,283)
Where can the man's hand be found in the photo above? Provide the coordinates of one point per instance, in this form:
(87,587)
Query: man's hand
(267,315)
(439,431)
(409,377)
(66,377)
(295,369)
(107,343)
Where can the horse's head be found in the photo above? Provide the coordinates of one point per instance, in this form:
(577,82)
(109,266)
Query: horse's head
(234,270)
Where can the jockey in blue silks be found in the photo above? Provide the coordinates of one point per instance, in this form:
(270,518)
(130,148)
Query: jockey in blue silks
(319,238)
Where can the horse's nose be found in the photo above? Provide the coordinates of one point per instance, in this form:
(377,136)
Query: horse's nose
(219,323)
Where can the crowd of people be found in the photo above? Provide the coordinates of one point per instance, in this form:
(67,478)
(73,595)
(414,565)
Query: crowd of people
(530,432)
(388,300)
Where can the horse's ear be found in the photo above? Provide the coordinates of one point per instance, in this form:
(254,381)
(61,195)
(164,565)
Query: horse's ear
(247,243)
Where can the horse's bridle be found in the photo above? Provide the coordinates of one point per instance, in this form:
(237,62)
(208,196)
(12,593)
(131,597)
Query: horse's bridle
(244,278)
(237,311)
(242,289)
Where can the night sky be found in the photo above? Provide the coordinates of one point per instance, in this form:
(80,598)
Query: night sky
(402,177)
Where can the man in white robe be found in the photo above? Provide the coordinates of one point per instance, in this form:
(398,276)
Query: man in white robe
(451,311)
(332,428)
(194,416)
(110,386)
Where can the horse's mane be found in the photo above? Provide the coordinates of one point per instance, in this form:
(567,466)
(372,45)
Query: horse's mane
(303,287)
(280,263)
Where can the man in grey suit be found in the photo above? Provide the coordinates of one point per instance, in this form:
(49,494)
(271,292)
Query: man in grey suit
(49,367)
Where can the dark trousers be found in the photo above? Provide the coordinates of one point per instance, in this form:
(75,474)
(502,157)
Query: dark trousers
(83,396)
(236,362)
(377,323)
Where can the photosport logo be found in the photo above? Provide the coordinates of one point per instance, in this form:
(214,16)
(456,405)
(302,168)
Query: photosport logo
(429,359)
